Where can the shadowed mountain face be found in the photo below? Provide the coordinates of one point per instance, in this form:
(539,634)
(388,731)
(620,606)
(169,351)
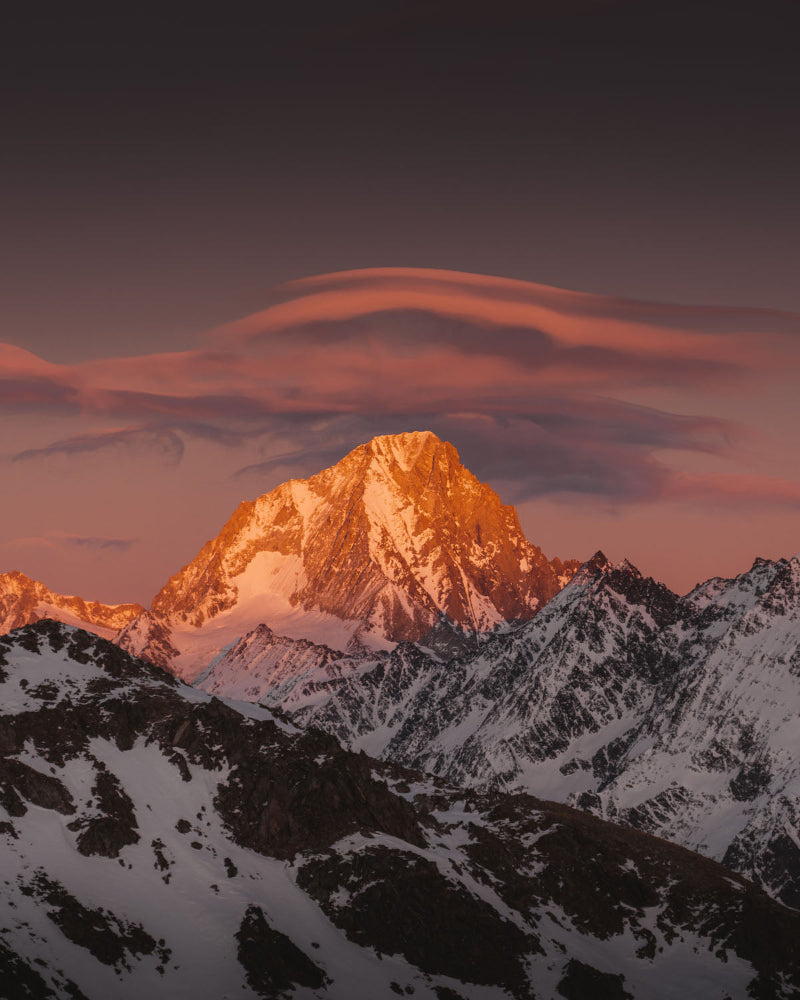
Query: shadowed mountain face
(159,841)
(375,550)
(674,715)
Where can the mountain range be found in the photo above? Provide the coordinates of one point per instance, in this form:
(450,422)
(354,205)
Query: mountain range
(392,606)
(160,841)
(674,715)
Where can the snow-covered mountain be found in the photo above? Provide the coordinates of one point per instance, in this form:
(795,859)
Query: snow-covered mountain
(160,842)
(675,715)
(23,601)
(380,548)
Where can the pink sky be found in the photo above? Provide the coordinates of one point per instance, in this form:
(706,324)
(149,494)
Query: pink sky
(665,434)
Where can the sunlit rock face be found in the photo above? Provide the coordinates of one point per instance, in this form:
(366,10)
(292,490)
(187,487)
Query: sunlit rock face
(24,601)
(378,549)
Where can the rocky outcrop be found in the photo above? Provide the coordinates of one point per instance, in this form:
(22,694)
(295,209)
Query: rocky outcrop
(273,963)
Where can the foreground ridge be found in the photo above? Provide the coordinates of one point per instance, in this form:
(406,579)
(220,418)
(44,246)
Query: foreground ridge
(159,839)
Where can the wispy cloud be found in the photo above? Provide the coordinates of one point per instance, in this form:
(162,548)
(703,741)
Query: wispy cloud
(62,539)
(529,381)
(99,542)
(597,446)
(165,442)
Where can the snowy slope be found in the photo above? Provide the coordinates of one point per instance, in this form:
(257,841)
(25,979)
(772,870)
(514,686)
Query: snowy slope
(372,551)
(722,740)
(675,715)
(265,666)
(157,841)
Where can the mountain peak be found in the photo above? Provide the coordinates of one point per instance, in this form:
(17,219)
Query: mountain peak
(626,566)
(373,549)
(407,448)
(415,460)
(599,562)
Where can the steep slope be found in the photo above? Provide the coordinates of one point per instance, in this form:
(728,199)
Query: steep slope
(714,764)
(374,550)
(265,665)
(157,841)
(675,715)
(23,601)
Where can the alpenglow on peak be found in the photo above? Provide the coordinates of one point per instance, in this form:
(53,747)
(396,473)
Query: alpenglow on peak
(379,548)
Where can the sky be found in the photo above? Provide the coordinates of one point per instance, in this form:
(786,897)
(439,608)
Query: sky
(562,236)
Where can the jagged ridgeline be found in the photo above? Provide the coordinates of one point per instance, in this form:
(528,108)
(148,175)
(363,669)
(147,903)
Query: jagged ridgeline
(158,841)
(677,716)
(393,603)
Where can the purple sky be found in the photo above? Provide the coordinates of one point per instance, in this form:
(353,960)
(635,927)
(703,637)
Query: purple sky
(160,180)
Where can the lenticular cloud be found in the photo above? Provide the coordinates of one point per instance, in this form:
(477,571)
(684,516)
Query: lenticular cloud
(337,358)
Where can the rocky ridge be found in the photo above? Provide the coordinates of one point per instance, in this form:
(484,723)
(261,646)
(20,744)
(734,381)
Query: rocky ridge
(160,841)
(673,715)
(24,601)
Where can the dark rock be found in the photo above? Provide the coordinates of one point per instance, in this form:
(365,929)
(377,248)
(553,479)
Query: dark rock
(753,778)
(583,982)
(19,981)
(161,862)
(288,794)
(19,781)
(301,804)
(115,827)
(272,961)
(400,903)
(108,938)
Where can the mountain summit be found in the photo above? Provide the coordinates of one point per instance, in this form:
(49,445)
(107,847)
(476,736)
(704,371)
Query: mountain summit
(377,549)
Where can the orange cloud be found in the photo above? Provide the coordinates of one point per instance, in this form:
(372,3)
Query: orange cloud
(391,348)
(572,319)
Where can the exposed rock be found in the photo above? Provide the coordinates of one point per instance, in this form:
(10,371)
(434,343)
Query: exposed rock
(272,962)
(108,938)
(310,803)
(19,781)
(20,981)
(582,981)
(115,824)
(399,903)
(676,716)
